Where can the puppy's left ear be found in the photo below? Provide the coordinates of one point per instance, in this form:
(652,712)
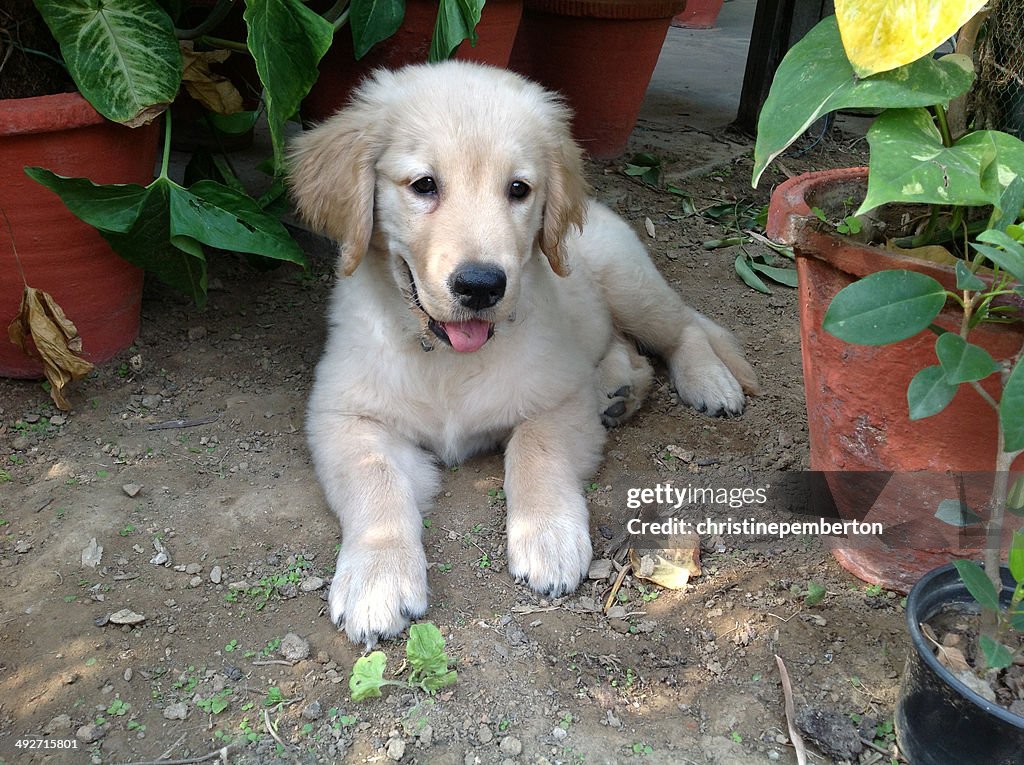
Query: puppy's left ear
(566,202)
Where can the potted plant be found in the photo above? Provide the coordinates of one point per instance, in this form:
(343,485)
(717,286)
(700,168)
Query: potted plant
(600,54)
(130,59)
(858,416)
(897,323)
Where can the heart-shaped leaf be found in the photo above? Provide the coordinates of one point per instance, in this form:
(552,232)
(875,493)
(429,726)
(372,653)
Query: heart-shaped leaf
(978,584)
(880,35)
(456,21)
(373,21)
(122,54)
(1011,409)
(816,78)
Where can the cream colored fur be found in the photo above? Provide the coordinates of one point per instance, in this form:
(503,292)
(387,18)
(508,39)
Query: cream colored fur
(391,398)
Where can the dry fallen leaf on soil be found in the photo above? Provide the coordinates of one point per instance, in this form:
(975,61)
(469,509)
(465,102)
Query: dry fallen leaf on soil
(671,566)
(42,323)
(214,91)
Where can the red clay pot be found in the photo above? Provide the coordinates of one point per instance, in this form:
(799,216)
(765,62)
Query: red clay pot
(857,398)
(340,72)
(99,292)
(600,54)
(699,14)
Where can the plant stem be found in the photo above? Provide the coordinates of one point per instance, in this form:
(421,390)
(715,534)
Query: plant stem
(220,42)
(217,15)
(165,161)
(943,125)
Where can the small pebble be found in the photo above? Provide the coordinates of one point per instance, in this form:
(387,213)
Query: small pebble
(193,568)
(128,674)
(131,489)
(396,749)
(126,616)
(58,419)
(484,735)
(311,584)
(312,711)
(151,402)
(178,711)
(559,734)
(58,723)
(294,648)
(216,574)
(511,746)
(90,734)
(600,569)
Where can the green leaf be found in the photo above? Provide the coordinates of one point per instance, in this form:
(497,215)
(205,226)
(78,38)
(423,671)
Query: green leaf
(425,650)
(816,78)
(963,361)
(997,655)
(287,41)
(1008,210)
(373,21)
(957,513)
(1015,497)
(122,54)
(1007,253)
(749,277)
(909,163)
(136,221)
(221,217)
(815,594)
(367,676)
(884,307)
(1016,560)
(1011,409)
(966,279)
(456,21)
(978,584)
(784,276)
(929,393)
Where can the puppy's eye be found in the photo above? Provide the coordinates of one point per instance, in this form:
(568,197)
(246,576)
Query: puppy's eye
(518,190)
(425,185)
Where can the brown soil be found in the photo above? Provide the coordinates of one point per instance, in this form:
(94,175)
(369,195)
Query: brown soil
(684,676)
(29,56)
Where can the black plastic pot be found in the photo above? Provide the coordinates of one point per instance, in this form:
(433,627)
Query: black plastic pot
(939,721)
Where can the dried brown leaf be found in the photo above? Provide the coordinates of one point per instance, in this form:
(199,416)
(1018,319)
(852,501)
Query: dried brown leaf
(41,329)
(671,566)
(214,91)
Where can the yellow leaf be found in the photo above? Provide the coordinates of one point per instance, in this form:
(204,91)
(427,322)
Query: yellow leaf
(41,329)
(671,566)
(880,35)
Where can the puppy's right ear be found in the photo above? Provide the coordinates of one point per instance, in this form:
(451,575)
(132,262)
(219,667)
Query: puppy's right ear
(332,179)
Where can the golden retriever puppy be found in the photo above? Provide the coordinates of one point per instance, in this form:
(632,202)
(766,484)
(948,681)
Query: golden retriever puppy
(475,311)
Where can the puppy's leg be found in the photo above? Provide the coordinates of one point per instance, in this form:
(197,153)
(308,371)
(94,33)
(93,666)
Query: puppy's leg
(546,462)
(708,369)
(376,482)
(623,378)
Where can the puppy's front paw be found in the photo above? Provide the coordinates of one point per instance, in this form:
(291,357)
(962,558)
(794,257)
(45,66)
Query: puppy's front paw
(376,592)
(551,554)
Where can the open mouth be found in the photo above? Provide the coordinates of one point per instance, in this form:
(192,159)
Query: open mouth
(463,336)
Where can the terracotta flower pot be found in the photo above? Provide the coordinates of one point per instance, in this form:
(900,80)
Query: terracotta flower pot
(340,72)
(699,14)
(857,413)
(600,54)
(99,292)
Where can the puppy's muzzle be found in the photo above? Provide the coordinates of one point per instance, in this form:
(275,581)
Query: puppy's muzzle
(477,286)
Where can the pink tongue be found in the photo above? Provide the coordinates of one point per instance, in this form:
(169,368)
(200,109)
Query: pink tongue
(467,336)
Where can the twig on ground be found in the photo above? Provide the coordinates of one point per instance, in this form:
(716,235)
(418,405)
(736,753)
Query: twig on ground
(794,733)
(221,754)
(168,424)
(615,587)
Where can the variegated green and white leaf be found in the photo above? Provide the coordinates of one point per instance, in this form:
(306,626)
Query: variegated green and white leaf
(122,54)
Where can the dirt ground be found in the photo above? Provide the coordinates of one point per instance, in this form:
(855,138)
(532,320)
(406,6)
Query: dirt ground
(184,513)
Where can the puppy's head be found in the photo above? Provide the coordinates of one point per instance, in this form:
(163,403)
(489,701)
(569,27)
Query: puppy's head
(458,174)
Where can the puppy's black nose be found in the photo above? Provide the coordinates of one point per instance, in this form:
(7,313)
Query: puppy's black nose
(478,286)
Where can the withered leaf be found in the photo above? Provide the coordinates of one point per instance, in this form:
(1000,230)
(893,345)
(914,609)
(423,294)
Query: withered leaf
(41,323)
(671,566)
(214,91)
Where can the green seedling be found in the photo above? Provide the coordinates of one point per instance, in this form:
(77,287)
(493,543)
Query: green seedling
(642,749)
(646,167)
(216,703)
(425,655)
(231,646)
